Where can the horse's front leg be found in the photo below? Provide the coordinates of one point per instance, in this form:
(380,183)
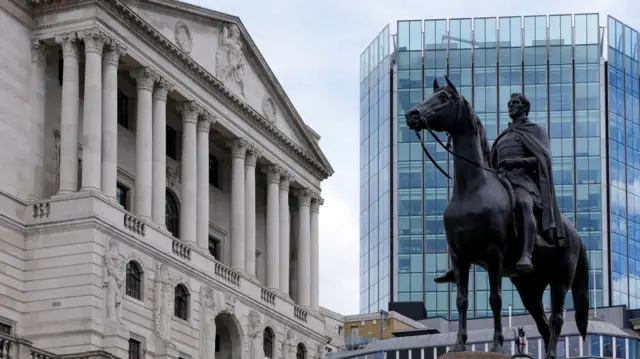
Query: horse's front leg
(461,267)
(494,271)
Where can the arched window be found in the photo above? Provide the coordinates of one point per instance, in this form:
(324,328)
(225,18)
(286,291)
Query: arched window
(172,214)
(181,302)
(134,280)
(267,342)
(301,352)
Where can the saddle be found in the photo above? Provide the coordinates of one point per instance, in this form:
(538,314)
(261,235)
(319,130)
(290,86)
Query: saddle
(542,241)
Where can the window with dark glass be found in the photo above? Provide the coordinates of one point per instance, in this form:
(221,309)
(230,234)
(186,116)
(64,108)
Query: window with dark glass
(60,66)
(214,248)
(181,302)
(172,216)
(267,343)
(214,171)
(123,109)
(172,143)
(134,349)
(301,352)
(5,329)
(122,195)
(134,280)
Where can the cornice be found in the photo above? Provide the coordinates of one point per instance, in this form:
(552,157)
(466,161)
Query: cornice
(207,80)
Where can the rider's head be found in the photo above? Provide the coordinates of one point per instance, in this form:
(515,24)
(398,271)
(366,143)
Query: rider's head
(518,105)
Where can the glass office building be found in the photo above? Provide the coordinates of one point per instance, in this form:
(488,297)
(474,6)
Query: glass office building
(580,73)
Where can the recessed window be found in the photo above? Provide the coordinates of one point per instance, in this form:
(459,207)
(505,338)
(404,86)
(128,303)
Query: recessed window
(134,280)
(172,143)
(267,342)
(214,248)
(181,302)
(301,353)
(172,214)
(214,172)
(5,329)
(122,195)
(123,109)
(134,349)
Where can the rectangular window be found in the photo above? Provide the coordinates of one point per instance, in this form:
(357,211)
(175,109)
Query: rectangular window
(123,109)
(134,349)
(122,195)
(214,248)
(172,143)
(214,171)
(5,329)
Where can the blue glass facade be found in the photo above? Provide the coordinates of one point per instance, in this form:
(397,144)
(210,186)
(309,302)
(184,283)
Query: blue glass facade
(375,174)
(584,92)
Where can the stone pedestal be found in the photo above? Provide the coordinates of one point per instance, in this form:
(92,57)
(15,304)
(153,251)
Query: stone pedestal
(475,355)
(116,340)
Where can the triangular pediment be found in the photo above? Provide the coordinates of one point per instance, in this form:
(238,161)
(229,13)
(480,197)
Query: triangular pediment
(221,44)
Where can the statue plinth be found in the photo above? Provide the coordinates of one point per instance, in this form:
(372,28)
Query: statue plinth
(475,355)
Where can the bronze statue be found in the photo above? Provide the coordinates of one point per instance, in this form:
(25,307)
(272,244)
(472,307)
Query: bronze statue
(498,196)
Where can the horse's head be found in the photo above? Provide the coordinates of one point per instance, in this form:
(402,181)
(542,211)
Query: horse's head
(438,112)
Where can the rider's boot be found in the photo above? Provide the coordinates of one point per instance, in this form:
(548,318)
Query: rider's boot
(448,277)
(525,264)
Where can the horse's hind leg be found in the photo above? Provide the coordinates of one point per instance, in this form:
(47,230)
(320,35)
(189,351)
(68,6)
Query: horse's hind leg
(558,293)
(461,269)
(494,272)
(531,290)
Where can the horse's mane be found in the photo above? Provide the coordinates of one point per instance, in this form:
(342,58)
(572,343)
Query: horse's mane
(476,127)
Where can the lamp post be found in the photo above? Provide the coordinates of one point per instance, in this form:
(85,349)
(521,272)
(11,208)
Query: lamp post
(383,314)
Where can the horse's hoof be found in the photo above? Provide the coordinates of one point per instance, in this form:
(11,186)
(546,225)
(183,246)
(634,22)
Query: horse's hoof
(458,348)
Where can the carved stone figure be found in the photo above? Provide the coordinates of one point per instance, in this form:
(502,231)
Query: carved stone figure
(209,310)
(254,332)
(290,345)
(173,176)
(320,351)
(114,280)
(230,59)
(164,295)
(269,108)
(182,36)
(484,218)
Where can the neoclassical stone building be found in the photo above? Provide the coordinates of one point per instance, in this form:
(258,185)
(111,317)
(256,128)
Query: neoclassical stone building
(159,195)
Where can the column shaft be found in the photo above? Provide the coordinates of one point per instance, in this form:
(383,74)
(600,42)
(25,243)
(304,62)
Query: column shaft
(38,84)
(304,249)
(110,119)
(250,211)
(202,232)
(69,113)
(189,172)
(284,222)
(159,156)
(273,227)
(315,254)
(238,153)
(92,114)
(145,78)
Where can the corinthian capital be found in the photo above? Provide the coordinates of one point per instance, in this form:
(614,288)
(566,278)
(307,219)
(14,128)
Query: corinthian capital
(145,77)
(94,40)
(68,41)
(316,202)
(113,52)
(238,148)
(273,172)
(285,180)
(304,196)
(190,111)
(206,120)
(163,87)
(38,52)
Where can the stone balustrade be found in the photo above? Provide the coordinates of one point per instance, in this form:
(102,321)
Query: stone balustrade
(82,207)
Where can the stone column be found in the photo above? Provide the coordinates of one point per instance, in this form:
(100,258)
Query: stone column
(238,154)
(69,113)
(304,248)
(94,41)
(316,202)
(189,172)
(285,181)
(273,226)
(202,231)
(37,95)
(250,210)
(159,156)
(145,78)
(110,118)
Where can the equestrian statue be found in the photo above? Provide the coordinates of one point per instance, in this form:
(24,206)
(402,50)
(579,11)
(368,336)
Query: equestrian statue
(503,215)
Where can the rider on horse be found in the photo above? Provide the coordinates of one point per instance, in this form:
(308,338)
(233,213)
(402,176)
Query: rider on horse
(522,155)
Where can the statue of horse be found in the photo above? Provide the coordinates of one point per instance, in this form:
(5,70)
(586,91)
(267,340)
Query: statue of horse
(480,230)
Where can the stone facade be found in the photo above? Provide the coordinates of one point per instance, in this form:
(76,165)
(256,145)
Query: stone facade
(150,199)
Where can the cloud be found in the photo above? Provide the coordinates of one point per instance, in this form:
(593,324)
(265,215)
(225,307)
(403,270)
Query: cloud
(314,48)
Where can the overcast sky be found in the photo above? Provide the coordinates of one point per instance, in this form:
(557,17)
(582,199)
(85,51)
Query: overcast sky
(313,47)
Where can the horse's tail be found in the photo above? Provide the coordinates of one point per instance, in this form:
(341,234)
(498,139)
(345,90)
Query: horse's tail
(580,289)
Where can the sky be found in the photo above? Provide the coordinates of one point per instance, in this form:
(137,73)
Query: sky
(314,47)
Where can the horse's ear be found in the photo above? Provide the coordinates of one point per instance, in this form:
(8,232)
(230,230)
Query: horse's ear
(451,85)
(435,84)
